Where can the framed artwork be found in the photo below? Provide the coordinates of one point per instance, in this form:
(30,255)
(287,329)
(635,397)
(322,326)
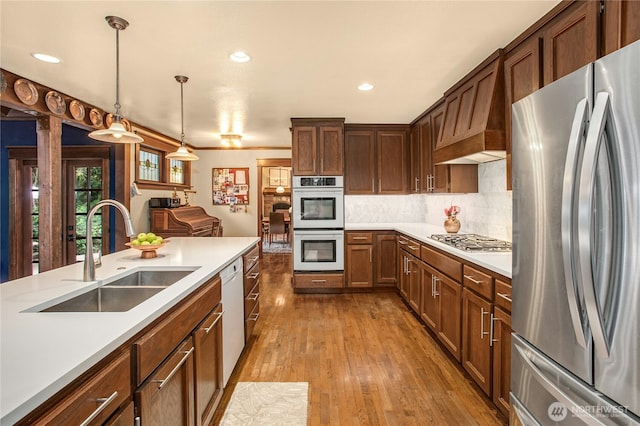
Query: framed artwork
(230,186)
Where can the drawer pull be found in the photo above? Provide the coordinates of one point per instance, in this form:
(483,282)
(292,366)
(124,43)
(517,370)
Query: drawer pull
(401,242)
(253,296)
(101,407)
(208,329)
(318,281)
(360,238)
(254,317)
(175,369)
(254,259)
(473,280)
(414,247)
(254,275)
(505,297)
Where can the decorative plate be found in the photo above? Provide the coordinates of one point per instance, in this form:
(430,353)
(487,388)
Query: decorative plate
(77,110)
(3,83)
(126,124)
(108,120)
(26,91)
(55,103)
(96,117)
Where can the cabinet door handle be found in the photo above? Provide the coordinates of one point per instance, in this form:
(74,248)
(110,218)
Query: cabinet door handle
(208,329)
(505,297)
(175,369)
(253,296)
(322,164)
(254,275)
(417,184)
(482,314)
(491,331)
(370,255)
(101,407)
(473,280)
(435,287)
(254,317)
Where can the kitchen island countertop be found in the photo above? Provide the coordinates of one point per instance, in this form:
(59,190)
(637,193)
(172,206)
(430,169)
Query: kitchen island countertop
(41,352)
(498,262)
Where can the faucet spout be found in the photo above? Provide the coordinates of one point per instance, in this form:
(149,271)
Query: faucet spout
(89,266)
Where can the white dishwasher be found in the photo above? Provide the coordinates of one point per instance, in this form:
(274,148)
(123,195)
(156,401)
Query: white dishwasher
(233,317)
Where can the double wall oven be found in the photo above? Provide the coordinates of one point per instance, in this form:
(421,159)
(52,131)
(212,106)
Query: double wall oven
(318,223)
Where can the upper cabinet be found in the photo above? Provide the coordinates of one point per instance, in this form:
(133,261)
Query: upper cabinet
(317,146)
(621,24)
(473,123)
(376,159)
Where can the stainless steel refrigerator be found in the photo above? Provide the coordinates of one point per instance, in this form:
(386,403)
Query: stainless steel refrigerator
(576,247)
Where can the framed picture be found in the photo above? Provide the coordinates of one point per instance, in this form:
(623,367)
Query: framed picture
(230,186)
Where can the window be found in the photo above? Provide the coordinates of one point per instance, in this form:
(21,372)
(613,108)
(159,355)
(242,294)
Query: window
(155,171)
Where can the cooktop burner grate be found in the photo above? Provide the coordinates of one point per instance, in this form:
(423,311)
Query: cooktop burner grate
(472,242)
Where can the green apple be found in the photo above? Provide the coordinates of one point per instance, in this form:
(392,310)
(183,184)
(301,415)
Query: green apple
(145,243)
(142,237)
(135,242)
(156,242)
(150,236)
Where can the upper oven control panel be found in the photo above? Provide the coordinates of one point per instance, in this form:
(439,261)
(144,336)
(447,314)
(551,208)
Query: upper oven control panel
(318,181)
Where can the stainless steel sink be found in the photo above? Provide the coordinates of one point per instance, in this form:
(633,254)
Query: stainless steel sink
(155,278)
(106,299)
(121,294)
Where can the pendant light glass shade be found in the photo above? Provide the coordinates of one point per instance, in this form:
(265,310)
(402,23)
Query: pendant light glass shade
(116,133)
(182,153)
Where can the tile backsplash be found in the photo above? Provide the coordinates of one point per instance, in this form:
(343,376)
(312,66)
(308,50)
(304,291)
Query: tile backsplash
(487,213)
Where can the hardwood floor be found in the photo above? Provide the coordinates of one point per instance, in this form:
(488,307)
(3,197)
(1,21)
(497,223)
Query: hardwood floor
(367,359)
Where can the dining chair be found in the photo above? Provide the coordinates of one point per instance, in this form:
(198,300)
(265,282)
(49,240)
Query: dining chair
(277,226)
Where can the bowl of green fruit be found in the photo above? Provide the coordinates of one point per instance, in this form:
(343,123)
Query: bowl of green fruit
(147,243)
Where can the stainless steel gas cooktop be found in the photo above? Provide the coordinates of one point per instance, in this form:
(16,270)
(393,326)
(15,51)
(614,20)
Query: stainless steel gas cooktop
(472,242)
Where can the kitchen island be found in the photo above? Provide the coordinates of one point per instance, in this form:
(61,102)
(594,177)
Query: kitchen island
(42,352)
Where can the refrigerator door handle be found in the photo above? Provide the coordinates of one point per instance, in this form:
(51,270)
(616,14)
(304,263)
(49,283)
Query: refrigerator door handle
(601,111)
(553,389)
(568,208)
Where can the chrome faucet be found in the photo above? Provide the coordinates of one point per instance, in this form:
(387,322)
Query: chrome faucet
(89,265)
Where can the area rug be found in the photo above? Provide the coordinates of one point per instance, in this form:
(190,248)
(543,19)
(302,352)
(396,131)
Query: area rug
(276,247)
(267,403)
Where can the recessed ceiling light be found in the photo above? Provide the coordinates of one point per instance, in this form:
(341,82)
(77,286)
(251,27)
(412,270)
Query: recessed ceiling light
(46,58)
(365,87)
(239,56)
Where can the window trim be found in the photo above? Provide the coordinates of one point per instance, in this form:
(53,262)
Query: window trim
(162,148)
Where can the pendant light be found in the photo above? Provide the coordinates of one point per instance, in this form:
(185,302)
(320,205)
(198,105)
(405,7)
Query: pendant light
(182,153)
(116,133)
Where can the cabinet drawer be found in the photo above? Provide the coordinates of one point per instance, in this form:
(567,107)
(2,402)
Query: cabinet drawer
(318,280)
(250,321)
(251,299)
(359,237)
(251,278)
(156,344)
(478,281)
(409,245)
(250,258)
(101,395)
(502,294)
(442,262)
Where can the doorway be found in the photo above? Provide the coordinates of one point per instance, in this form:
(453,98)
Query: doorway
(274,189)
(85,181)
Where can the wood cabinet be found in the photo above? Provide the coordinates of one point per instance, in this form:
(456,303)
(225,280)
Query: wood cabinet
(371,259)
(385,251)
(359,271)
(501,343)
(376,159)
(621,24)
(474,113)
(190,221)
(317,146)
(427,177)
(251,262)
(319,282)
(167,397)
(207,341)
(476,345)
(96,398)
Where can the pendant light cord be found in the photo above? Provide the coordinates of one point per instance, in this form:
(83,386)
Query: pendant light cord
(182,113)
(117,104)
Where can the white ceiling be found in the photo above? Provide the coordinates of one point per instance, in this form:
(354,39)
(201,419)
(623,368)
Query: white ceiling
(307,58)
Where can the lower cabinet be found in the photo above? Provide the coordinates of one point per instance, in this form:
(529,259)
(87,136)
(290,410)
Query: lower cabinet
(207,341)
(251,291)
(371,259)
(476,339)
(501,359)
(167,396)
(385,249)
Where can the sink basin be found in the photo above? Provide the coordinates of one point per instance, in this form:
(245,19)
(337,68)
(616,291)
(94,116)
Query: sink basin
(106,299)
(121,294)
(155,278)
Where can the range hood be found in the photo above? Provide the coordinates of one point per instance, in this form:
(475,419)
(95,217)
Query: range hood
(473,128)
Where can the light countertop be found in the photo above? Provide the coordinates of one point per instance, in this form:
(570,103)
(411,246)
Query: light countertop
(41,352)
(498,262)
